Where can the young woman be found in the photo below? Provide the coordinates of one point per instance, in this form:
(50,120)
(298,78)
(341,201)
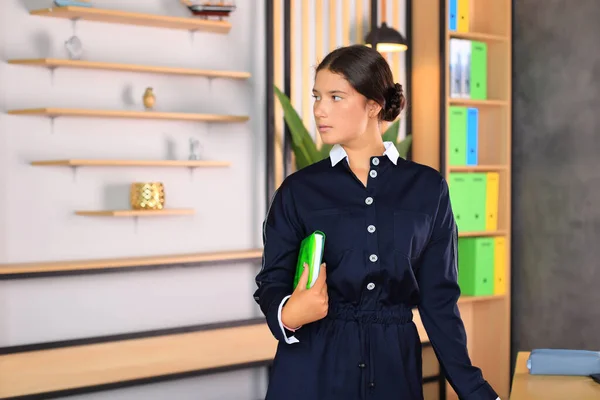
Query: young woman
(390,246)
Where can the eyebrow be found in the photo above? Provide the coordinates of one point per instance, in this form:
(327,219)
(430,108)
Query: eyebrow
(331,91)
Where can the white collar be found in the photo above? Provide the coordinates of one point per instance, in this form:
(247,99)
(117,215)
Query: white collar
(338,153)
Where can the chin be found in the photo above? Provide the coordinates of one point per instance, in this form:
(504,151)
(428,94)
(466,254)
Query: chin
(329,138)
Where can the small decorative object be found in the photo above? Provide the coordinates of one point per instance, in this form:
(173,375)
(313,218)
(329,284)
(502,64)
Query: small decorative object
(149,98)
(194,145)
(215,9)
(147,196)
(74,48)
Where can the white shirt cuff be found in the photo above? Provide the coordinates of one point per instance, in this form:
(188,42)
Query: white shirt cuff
(292,339)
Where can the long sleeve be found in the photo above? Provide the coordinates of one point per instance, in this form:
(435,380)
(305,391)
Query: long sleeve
(281,241)
(439,292)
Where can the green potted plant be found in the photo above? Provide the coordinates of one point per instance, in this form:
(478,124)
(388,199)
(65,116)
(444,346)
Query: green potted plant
(304,148)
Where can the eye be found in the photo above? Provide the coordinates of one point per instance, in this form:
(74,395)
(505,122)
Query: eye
(315,97)
(336,98)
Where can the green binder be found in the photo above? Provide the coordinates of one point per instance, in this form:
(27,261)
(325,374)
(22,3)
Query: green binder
(478,190)
(459,198)
(458,135)
(476,266)
(478,70)
(311,253)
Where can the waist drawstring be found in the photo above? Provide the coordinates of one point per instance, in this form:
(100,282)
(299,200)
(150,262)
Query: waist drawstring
(366,319)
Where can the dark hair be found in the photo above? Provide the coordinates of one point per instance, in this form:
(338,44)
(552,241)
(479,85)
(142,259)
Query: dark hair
(370,75)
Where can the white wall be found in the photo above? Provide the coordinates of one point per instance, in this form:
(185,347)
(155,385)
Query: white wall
(37,203)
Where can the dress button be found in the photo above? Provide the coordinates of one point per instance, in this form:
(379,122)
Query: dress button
(372,385)
(373,173)
(369,200)
(362,365)
(375,161)
(373,257)
(371,286)
(371,228)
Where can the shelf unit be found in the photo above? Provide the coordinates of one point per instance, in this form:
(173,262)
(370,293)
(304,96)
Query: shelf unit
(491,23)
(136,213)
(134,18)
(53,63)
(78,162)
(124,263)
(54,112)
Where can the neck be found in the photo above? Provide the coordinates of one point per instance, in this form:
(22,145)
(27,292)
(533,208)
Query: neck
(364,147)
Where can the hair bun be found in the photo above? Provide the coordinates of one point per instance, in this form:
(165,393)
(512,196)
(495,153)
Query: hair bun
(394,102)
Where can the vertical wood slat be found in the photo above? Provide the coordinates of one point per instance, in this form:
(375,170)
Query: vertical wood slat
(305,65)
(395,22)
(278,79)
(345,22)
(319,49)
(332,24)
(360,34)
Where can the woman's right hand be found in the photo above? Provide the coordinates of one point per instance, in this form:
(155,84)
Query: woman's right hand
(306,305)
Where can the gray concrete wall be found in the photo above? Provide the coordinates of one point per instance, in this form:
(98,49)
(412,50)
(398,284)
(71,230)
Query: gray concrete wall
(556,174)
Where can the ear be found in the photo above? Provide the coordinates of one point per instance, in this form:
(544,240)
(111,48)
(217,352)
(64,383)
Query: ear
(373,108)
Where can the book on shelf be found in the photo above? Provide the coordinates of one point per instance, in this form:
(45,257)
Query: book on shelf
(468,69)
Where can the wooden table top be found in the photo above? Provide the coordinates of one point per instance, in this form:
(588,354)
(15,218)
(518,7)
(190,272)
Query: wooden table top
(550,387)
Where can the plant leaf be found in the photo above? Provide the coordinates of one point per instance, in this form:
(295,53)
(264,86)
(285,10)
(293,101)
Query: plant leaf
(304,147)
(404,146)
(391,133)
(325,149)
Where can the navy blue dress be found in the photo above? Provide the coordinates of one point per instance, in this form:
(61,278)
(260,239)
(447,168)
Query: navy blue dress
(390,246)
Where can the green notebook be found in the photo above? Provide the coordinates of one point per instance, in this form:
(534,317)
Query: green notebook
(311,253)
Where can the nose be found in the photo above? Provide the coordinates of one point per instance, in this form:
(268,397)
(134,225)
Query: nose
(319,109)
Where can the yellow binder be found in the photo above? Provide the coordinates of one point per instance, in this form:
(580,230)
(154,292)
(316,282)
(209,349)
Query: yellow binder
(499,265)
(463,15)
(491,201)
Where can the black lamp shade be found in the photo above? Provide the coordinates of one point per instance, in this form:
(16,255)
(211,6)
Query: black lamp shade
(387,39)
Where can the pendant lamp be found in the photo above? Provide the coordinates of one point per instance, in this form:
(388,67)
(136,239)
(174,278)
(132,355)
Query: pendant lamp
(385,38)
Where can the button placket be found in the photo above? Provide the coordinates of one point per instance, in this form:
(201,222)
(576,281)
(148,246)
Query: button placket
(372,247)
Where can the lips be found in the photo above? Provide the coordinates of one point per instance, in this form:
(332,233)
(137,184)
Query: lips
(324,128)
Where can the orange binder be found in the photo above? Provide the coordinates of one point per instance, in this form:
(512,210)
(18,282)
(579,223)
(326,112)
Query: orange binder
(464,9)
(499,265)
(491,201)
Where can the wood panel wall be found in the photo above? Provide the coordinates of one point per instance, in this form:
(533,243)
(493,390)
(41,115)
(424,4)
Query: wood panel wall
(317,27)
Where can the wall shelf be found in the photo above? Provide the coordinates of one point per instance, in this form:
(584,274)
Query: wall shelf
(485,37)
(477,168)
(482,233)
(133,18)
(136,213)
(154,69)
(128,262)
(38,373)
(453,101)
(132,114)
(76,162)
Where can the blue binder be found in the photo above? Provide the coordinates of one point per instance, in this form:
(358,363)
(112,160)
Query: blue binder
(472,136)
(452,15)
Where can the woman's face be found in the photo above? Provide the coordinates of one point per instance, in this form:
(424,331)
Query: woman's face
(341,113)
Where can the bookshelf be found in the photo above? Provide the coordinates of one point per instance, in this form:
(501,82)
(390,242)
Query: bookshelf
(486,316)
(475,143)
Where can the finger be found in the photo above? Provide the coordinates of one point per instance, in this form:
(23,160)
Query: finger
(323,289)
(303,278)
(322,277)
